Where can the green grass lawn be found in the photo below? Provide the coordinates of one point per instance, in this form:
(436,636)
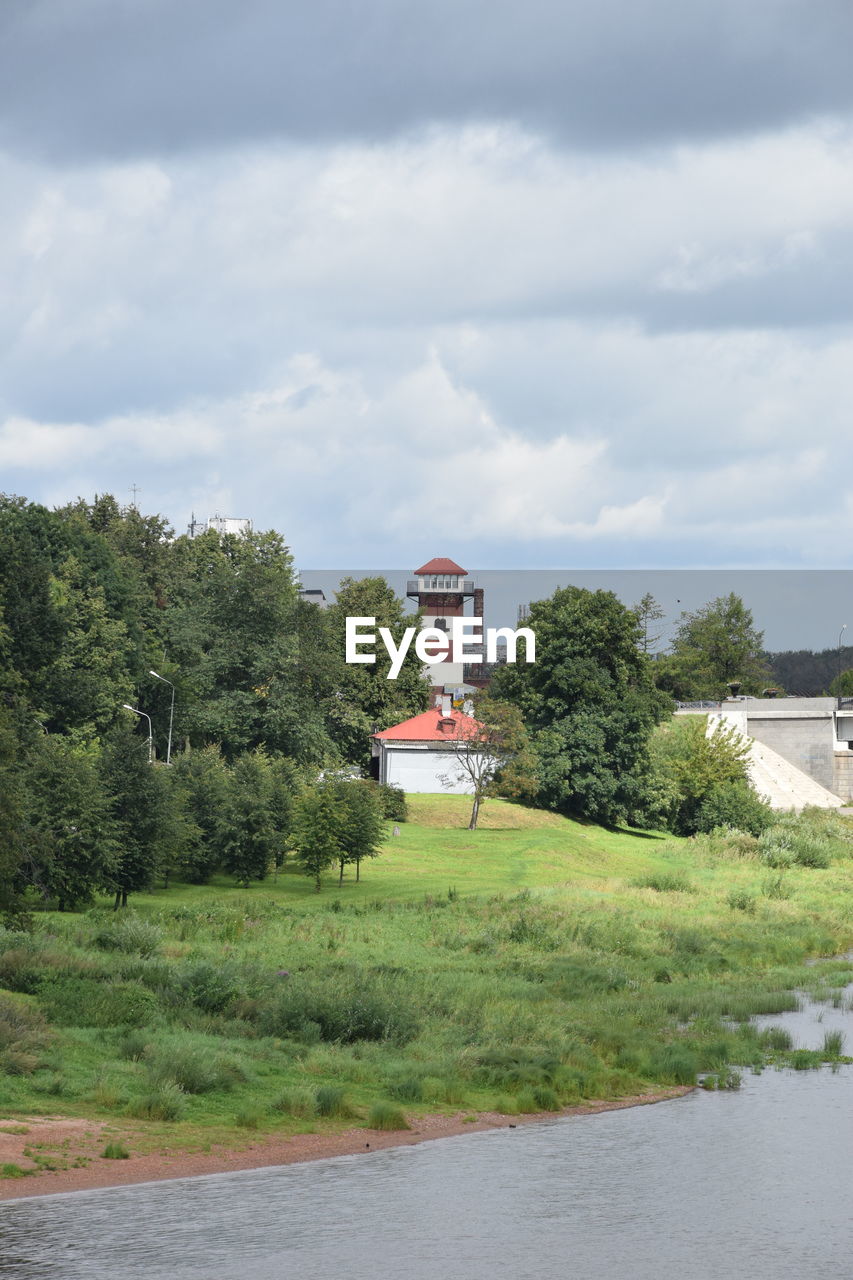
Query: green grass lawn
(514,848)
(528,965)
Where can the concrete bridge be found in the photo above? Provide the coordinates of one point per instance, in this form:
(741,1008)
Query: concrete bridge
(801,749)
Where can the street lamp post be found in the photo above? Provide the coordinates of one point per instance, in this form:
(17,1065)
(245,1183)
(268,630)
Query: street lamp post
(840,634)
(137,712)
(171,712)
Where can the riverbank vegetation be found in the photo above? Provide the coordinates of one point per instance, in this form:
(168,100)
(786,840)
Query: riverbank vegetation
(525,967)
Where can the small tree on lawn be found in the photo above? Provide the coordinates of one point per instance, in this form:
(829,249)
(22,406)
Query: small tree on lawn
(316,829)
(360,827)
(491,754)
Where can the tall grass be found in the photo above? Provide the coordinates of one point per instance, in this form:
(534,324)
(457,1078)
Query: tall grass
(567,963)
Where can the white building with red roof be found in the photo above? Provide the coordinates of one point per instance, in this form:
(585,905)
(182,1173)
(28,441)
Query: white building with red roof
(416,753)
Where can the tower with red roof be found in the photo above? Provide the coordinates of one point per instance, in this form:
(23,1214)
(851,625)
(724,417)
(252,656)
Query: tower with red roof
(442,590)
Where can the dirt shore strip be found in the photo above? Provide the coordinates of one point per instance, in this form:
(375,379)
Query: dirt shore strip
(73,1147)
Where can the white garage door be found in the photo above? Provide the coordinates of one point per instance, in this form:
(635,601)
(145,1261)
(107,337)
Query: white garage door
(417,771)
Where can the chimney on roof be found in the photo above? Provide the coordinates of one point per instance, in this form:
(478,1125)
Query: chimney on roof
(446,704)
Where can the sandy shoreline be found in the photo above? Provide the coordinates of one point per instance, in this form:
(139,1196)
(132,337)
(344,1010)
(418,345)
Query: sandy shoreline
(84,1140)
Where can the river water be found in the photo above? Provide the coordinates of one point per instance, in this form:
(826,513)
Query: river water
(714,1186)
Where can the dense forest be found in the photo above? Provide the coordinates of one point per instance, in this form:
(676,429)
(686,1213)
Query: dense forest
(123,646)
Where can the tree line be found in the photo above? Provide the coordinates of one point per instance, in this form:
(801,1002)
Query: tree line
(106,616)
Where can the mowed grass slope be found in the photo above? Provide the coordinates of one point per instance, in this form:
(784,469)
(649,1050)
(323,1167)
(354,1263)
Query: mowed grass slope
(525,966)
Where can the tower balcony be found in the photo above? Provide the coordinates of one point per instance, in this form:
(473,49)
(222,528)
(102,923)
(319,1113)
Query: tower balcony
(440,585)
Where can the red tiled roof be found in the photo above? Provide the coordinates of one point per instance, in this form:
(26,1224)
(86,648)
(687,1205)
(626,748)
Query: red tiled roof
(440,565)
(432,726)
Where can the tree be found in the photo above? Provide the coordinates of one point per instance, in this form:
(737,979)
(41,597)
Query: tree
(692,766)
(714,646)
(362,699)
(72,850)
(588,703)
(360,822)
(842,685)
(11,820)
(201,781)
(491,754)
(247,833)
(316,832)
(141,810)
(648,612)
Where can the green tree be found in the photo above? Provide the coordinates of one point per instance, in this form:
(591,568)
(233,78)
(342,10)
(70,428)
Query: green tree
(316,832)
(362,698)
(247,833)
(691,766)
(491,754)
(201,781)
(71,847)
(648,613)
(714,646)
(589,704)
(11,819)
(360,825)
(142,812)
(842,685)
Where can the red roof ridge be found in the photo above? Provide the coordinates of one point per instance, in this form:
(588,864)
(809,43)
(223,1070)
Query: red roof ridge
(427,727)
(441,565)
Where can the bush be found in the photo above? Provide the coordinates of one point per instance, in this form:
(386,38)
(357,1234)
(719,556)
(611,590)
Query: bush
(666,882)
(408,1089)
(796,840)
(163,1101)
(393,802)
(673,1064)
(329,1100)
(740,900)
(734,805)
(129,933)
(385,1116)
(115,1151)
(85,1002)
(346,1007)
(296,1102)
(193,1070)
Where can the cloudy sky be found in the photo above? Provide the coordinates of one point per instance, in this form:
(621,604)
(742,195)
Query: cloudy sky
(529,284)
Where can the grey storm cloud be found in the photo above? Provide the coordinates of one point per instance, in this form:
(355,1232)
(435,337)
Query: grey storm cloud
(103,78)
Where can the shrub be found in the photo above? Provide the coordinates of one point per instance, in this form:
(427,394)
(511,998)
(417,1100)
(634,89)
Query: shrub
(164,1100)
(393,802)
(673,1064)
(796,840)
(192,1070)
(408,1089)
(776,886)
(740,900)
(666,882)
(12,1171)
(85,1002)
(115,1151)
(546,1098)
(384,1115)
(346,1007)
(296,1102)
(734,805)
(130,933)
(210,987)
(248,1117)
(329,1100)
